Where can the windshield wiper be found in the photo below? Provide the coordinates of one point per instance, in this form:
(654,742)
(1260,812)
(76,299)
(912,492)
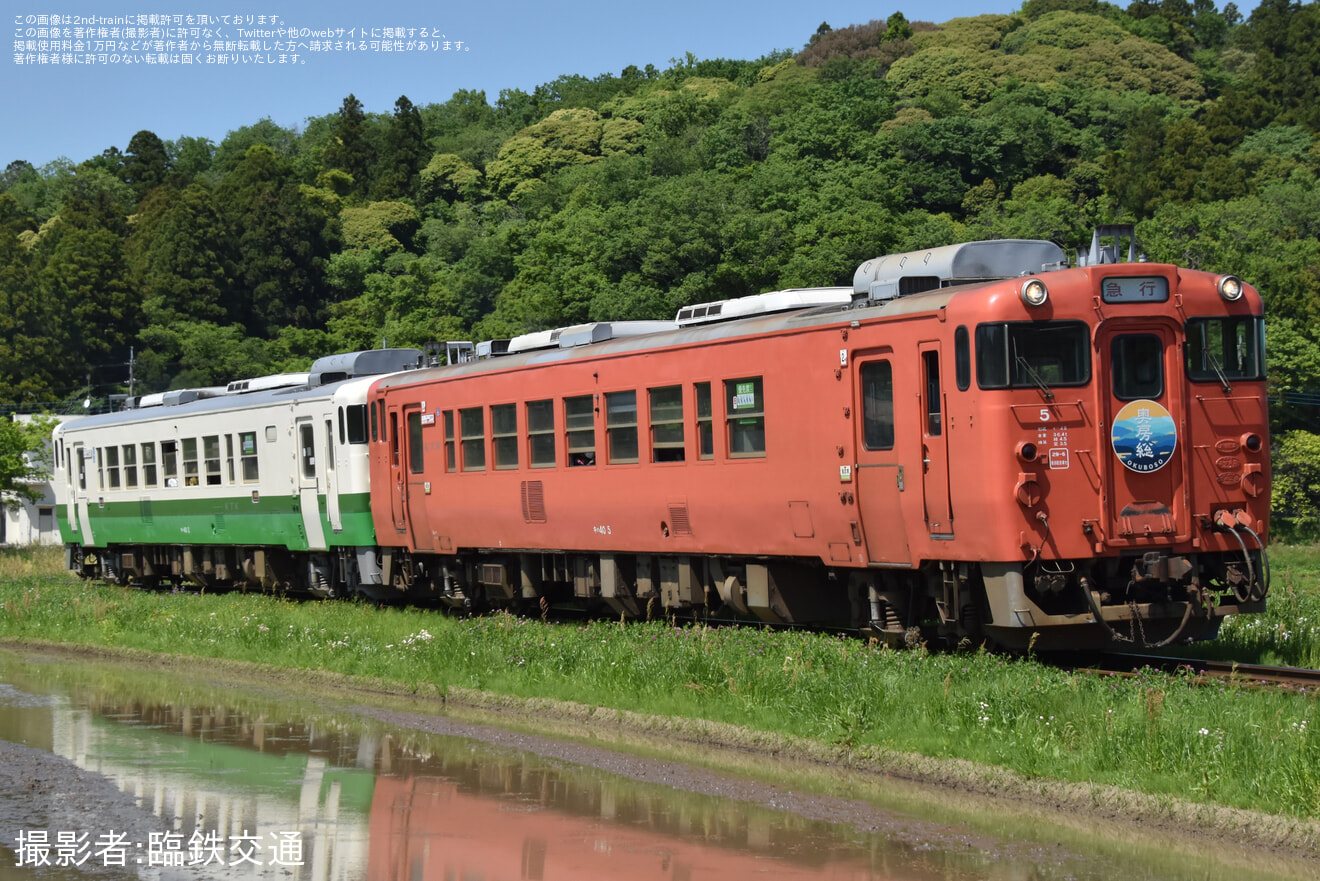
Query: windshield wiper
(1035,377)
(1219,372)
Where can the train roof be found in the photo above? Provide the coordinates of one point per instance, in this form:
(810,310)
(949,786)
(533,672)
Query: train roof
(327,376)
(895,284)
(692,334)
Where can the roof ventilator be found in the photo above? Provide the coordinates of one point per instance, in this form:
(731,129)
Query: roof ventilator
(898,275)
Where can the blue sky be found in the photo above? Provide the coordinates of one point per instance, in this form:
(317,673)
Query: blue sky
(79,110)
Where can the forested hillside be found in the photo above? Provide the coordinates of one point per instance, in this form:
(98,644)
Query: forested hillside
(630,195)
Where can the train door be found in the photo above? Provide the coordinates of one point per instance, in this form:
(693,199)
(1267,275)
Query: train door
(418,487)
(408,484)
(398,486)
(879,477)
(309,484)
(1143,403)
(934,445)
(79,519)
(332,478)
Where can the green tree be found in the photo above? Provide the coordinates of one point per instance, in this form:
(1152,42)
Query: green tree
(348,149)
(233,149)
(402,153)
(26,322)
(82,278)
(24,459)
(1295,462)
(283,239)
(146,163)
(180,257)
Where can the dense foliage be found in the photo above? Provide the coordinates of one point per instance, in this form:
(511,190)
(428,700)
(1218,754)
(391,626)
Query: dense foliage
(629,196)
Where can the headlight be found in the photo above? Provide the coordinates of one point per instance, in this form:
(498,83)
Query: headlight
(1230,288)
(1034,292)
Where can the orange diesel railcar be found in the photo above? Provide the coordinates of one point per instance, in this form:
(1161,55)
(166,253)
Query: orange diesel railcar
(977,441)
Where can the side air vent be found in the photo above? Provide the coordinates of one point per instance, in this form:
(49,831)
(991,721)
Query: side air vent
(533,501)
(679,524)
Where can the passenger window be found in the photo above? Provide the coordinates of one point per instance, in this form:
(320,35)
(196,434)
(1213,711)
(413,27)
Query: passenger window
(1137,363)
(621,427)
(112,465)
(190,472)
(934,398)
(82,469)
(472,429)
(330,442)
(247,455)
(416,457)
(745,417)
(705,424)
(211,454)
(341,425)
(580,426)
(374,433)
(667,424)
(130,467)
(504,434)
(149,464)
(541,433)
(451,463)
(229,458)
(306,451)
(170,463)
(878,405)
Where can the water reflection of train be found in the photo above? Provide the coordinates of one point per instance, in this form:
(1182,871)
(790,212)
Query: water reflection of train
(394,806)
(430,827)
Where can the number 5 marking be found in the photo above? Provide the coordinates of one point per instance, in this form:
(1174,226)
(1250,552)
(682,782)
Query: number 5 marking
(1044,414)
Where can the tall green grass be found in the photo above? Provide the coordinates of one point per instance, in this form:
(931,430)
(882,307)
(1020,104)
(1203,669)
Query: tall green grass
(45,560)
(1288,634)
(1152,733)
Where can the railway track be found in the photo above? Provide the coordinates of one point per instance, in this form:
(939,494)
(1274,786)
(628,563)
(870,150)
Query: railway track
(1298,679)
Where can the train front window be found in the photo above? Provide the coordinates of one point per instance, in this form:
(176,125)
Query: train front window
(1136,362)
(1032,354)
(1225,349)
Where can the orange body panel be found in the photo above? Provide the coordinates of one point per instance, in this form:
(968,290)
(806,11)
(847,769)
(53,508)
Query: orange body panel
(961,494)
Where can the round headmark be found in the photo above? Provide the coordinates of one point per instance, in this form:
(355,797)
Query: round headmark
(1144,436)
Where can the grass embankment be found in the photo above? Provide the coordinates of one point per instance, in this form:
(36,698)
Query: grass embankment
(1156,734)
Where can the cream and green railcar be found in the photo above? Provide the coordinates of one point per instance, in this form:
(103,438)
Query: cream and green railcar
(264,483)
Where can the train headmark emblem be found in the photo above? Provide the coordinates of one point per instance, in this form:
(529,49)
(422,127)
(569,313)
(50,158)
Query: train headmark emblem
(1144,436)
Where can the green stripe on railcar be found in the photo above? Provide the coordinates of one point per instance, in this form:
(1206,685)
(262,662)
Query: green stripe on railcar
(355,517)
(271,520)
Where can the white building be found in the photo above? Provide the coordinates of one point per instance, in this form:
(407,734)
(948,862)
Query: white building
(31,523)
